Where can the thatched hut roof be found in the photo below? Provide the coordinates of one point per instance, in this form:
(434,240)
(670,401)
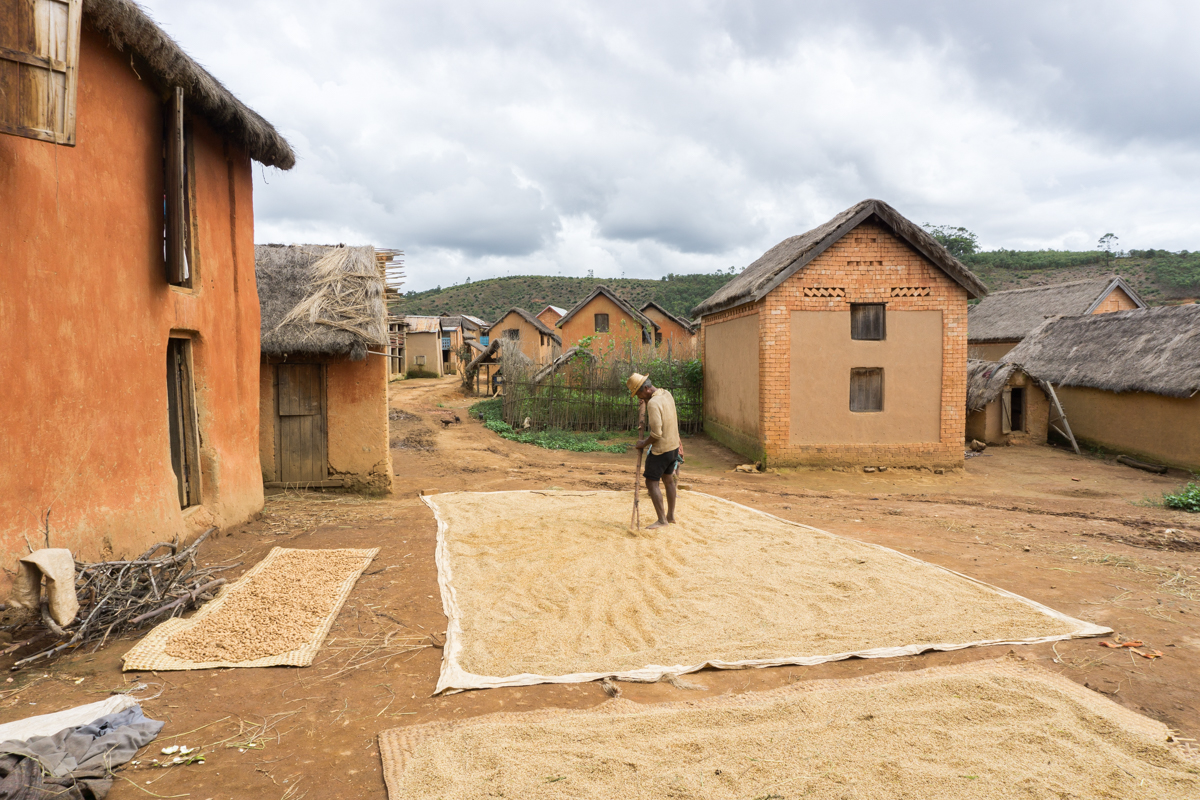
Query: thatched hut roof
(1144,350)
(638,316)
(531,319)
(563,360)
(985,381)
(686,324)
(320,300)
(1012,315)
(127,25)
(791,255)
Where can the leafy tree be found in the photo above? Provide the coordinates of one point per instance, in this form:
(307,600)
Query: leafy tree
(959,241)
(1107,243)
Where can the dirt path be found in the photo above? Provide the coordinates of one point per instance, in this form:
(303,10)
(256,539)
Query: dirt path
(1072,532)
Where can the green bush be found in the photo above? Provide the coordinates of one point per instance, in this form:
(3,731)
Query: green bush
(1186,499)
(492,413)
(417,372)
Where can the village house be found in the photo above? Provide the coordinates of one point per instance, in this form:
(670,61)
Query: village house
(1005,405)
(452,342)
(127,233)
(395,346)
(1128,381)
(846,345)
(998,323)
(540,344)
(423,346)
(608,321)
(674,332)
(550,315)
(323,416)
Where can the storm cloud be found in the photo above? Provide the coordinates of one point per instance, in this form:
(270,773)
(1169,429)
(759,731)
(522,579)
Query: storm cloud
(640,138)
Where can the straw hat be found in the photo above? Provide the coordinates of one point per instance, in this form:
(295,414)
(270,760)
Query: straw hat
(635,382)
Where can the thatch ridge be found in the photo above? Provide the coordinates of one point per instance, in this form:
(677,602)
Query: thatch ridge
(786,258)
(1013,314)
(641,318)
(320,300)
(563,360)
(686,324)
(1144,350)
(531,319)
(985,381)
(127,25)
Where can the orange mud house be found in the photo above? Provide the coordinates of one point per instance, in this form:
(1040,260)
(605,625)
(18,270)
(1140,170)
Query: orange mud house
(1005,405)
(323,415)
(1001,320)
(550,315)
(846,345)
(130,358)
(674,332)
(1128,381)
(539,343)
(611,323)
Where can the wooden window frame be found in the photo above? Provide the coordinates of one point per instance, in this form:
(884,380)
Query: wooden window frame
(512,334)
(180,253)
(183,423)
(857,394)
(34,70)
(857,326)
(596,319)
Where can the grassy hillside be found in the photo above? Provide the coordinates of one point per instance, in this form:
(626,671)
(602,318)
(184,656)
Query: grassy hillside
(1159,276)
(488,299)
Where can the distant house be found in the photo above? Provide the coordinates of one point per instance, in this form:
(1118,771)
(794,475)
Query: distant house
(128,311)
(1001,320)
(323,413)
(539,343)
(609,320)
(1128,381)
(846,345)
(1005,405)
(550,315)
(423,345)
(452,342)
(678,333)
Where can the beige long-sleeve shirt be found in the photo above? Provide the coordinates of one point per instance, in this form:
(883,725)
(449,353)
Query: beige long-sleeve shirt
(661,422)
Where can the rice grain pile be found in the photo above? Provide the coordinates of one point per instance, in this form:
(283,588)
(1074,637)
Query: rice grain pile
(988,730)
(274,611)
(554,583)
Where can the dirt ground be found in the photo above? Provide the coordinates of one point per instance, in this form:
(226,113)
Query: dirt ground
(1080,534)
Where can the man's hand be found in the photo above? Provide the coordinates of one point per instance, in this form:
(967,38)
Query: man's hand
(641,443)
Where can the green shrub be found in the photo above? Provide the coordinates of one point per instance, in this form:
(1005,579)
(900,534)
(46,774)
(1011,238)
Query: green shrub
(1186,499)
(417,372)
(492,413)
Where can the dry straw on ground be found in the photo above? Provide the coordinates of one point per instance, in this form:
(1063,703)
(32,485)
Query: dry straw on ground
(278,613)
(553,586)
(992,730)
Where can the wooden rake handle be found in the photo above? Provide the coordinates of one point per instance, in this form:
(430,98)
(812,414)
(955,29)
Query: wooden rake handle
(635,521)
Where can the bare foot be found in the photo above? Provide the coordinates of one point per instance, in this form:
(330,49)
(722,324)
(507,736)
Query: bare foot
(659,524)
(670,520)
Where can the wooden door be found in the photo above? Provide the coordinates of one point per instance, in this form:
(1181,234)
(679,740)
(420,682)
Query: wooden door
(1006,425)
(300,423)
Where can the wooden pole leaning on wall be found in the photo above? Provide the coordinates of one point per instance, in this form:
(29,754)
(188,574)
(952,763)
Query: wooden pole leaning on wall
(1067,434)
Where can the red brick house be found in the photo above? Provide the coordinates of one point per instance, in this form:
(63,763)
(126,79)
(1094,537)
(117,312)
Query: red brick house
(846,345)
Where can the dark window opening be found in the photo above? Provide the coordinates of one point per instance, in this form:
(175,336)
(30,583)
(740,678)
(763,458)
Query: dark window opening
(602,323)
(512,333)
(866,389)
(657,338)
(179,250)
(1018,409)
(867,321)
(181,408)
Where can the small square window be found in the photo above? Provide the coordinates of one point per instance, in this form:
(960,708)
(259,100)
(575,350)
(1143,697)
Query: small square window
(602,323)
(420,361)
(867,321)
(866,389)
(512,333)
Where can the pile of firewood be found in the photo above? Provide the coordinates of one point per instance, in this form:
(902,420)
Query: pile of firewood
(118,596)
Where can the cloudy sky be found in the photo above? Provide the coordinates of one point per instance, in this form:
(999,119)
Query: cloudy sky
(641,138)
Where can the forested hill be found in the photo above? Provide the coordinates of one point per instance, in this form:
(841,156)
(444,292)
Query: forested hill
(1159,276)
(488,299)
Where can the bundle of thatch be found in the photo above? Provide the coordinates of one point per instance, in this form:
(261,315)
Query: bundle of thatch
(1145,350)
(320,300)
(985,381)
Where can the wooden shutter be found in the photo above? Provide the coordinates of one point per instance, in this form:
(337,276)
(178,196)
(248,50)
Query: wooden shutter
(1006,411)
(39,58)
(175,187)
(601,323)
(866,389)
(867,321)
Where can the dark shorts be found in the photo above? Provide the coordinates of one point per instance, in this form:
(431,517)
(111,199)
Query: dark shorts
(661,464)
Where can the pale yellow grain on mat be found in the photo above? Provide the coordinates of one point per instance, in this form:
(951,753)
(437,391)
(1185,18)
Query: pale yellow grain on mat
(554,583)
(991,730)
(278,613)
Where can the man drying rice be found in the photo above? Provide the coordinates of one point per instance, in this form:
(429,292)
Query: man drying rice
(662,433)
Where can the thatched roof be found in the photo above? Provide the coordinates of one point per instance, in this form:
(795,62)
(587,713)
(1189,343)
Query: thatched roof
(1012,315)
(562,361)
(531,319)
(789,256)
(686,324)
(499,351)
(127,25)
(1145,350)
(320,300)
(985,381)
(638,316)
